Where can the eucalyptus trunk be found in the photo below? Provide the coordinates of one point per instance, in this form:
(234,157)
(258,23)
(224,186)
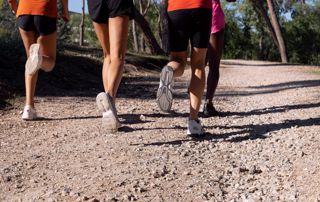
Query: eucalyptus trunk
(277,29)
(81,39)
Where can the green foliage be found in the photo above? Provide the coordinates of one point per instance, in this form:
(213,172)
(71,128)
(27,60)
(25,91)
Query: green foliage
(90,38)
(9,37)
(303,34)
(63,29)
(7,20)
(246,35)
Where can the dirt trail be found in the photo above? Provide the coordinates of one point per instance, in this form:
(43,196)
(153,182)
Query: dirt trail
(265,148)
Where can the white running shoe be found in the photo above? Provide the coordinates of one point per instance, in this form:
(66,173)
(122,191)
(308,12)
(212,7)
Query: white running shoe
(164,94)
(34,61)
(29,113)
(194,128)
(102,102)
(110,121)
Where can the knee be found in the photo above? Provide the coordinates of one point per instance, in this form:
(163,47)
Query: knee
(50,65)
(117,59)
(198,63)
(179,65)
(106,54)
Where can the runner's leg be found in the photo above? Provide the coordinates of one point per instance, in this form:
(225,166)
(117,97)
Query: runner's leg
(215,49)
(198,78)
(118,32)
(29,38)
(102,32)
(48,51)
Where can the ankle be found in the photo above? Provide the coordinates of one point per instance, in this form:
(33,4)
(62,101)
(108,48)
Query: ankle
(29,105)
(208,101)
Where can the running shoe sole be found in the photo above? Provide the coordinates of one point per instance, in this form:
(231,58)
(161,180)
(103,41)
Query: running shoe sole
(34,60)
(102,102)
(109,122)
(29,114)
(164,94)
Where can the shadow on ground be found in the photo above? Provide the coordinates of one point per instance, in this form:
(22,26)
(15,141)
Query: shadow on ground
(77,73)
(244,132)
(274,109)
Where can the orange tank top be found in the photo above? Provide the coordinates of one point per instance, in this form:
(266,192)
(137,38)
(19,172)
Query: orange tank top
(188,4)
(38,7)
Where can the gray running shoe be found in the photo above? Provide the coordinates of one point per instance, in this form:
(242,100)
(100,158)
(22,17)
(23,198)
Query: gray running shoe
(110,121)
(29,113)
(164,94)
(195,129)
(34,61)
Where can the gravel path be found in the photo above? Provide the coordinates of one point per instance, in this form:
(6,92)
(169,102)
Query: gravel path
(265,148)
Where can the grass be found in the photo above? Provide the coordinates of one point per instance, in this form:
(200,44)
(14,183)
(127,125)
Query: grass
(316,71)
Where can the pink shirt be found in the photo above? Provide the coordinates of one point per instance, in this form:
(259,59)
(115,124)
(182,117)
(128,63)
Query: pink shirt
(218,21)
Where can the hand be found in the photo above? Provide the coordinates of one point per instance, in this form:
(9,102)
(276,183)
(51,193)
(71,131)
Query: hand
(65,15)
(14,6)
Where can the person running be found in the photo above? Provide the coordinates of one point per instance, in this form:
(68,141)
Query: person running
(214,56)
(111,20)
(188,21)
(37,26)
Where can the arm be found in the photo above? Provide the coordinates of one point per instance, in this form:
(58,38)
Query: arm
(13,5)
(65,10)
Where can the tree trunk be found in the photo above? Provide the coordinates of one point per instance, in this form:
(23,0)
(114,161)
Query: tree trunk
(258,7)
(261,48)
(135,34)
(141,37)
(81,39)
(164,26)
(142,43)
(144,25)
(277,29)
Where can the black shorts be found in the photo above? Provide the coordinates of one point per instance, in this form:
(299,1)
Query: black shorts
(189,24)
(101,10)
(43,25)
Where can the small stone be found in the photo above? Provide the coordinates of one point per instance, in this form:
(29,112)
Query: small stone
(6,170)
(302,154)
(129,197)
(184,154)
(243,169)
(142,117)
(255,170)
(74,194)
(94,200)
(113,199)
(187,172)
(65,192)
(7,179)
(51,200)
(33,181)
(19,186)
(82,198)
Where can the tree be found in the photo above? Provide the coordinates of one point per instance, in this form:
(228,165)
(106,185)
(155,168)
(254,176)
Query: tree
(134,34)
(81,35)
(64,30)
(149,36)
(164,25)
(304,34)
(272,25)
(277,29)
